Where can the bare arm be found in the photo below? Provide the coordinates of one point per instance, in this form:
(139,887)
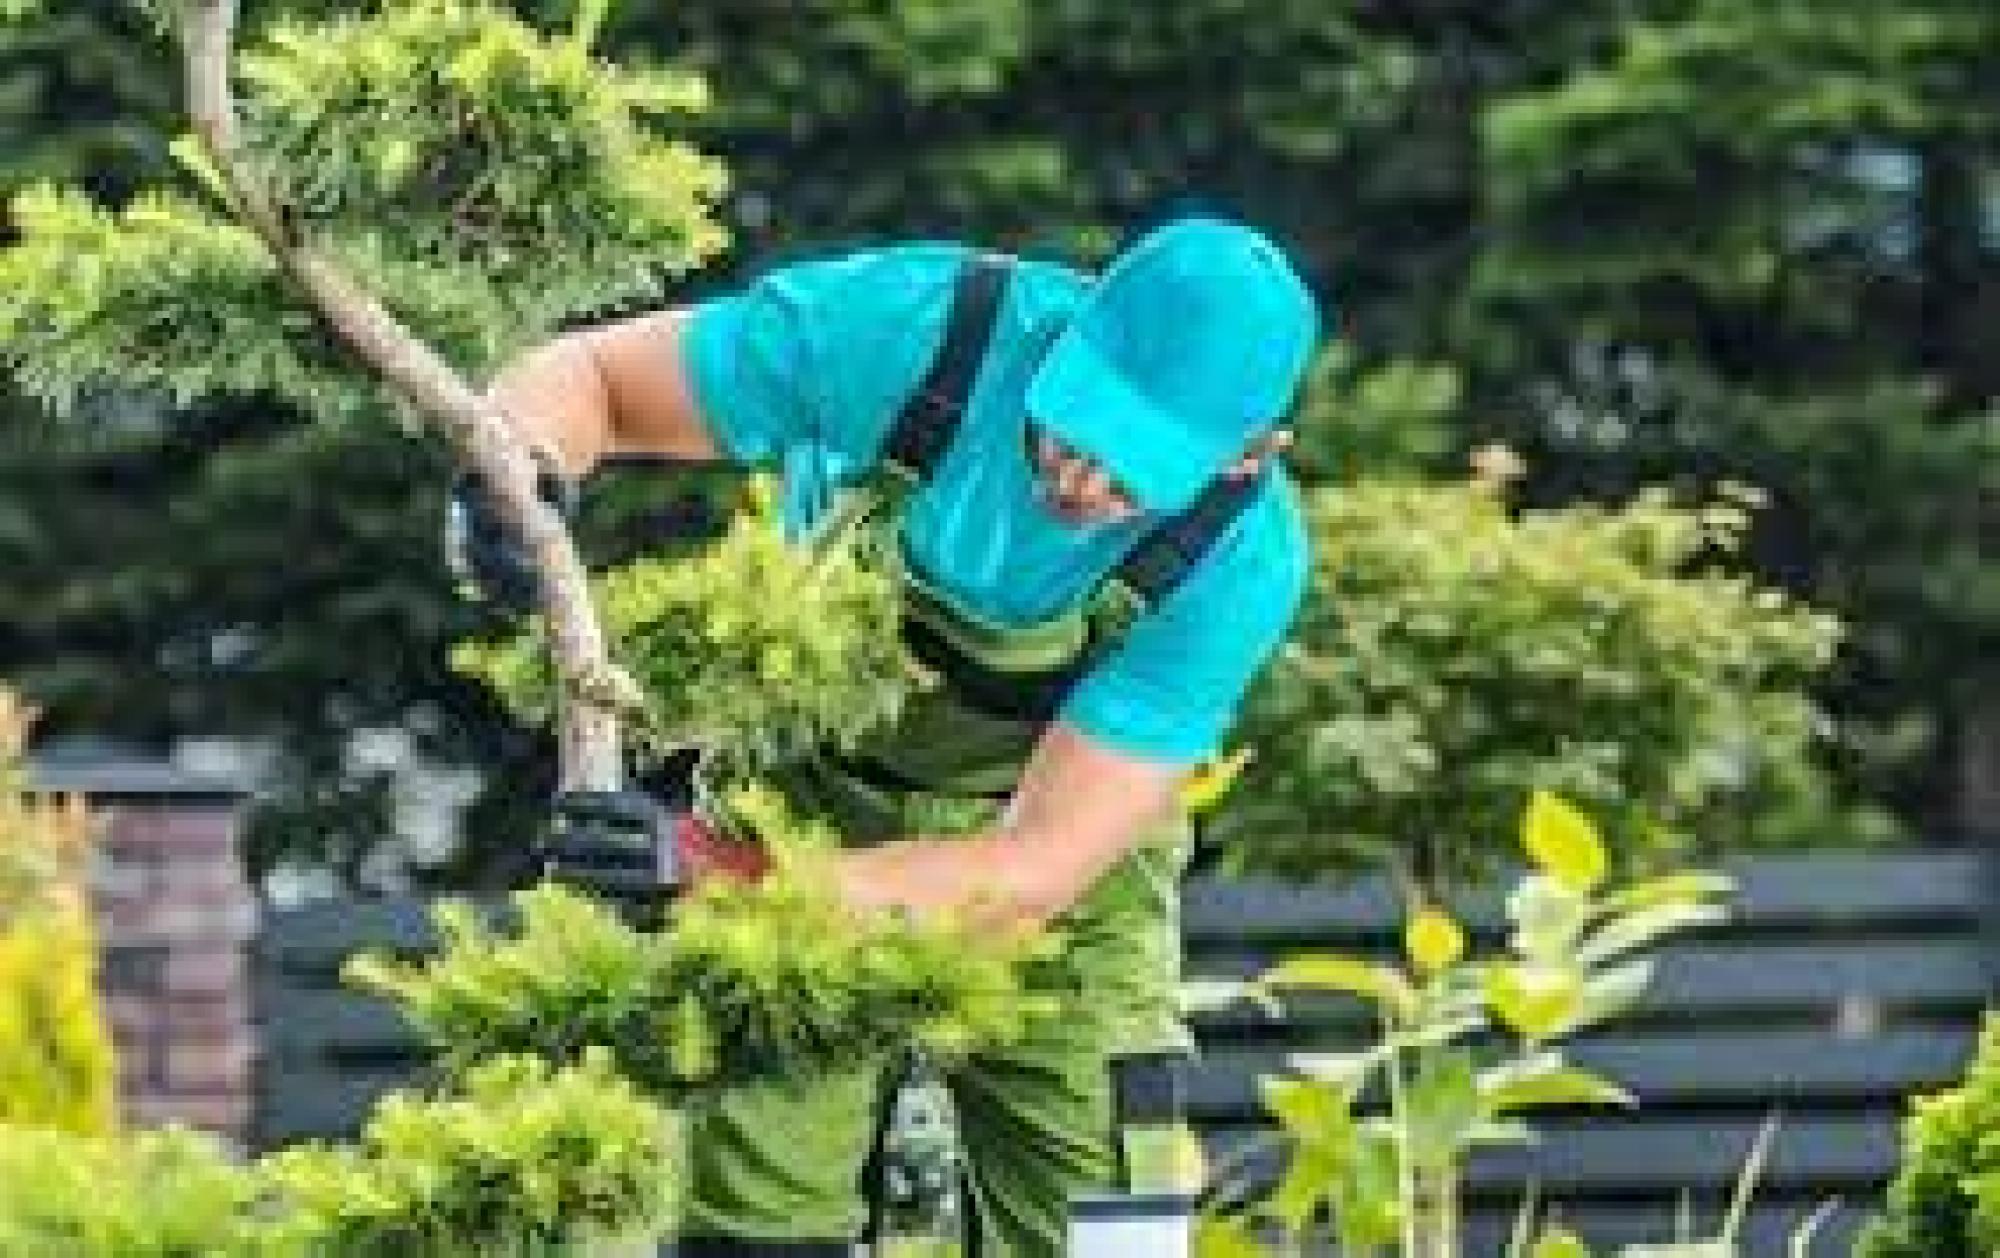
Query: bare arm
(1079,808)
(617,388)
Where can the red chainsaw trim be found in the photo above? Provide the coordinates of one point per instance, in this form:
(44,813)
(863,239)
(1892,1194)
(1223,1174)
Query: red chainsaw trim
(706,852)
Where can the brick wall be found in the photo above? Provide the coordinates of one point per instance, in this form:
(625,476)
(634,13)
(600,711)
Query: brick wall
(176,921)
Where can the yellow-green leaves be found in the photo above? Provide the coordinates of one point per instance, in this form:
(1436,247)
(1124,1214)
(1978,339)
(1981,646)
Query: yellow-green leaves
(744,978)
(1559,1242)
(516,1149)
(1563,843)
(482,178)
(1535,1001)
(1544,1079)
(1566,967)
(520,1148)
(1458,653)
(1385,985)
(754,649)
(1433,940)
(1206,786)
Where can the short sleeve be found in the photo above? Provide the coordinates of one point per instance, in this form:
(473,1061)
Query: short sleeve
(819,355)
(1169,691)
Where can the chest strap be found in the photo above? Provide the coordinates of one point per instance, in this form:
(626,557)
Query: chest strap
(929,421)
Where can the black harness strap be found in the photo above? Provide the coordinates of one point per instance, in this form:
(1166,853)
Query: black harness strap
(924,428)
(1164,557)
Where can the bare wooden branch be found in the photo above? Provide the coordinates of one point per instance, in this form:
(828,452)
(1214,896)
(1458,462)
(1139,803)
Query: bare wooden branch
(593,689)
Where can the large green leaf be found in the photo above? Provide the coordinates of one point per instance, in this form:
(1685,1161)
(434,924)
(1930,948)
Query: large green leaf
(1545,1079)
(1536,1001)
(1643,927)
(1385,985)
(1563,843)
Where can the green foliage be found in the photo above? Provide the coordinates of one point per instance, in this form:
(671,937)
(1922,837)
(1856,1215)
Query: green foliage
(1753,240)
(57,1067)
(81,85)
(56,1063)
(142,298)
(486,181)
(743,979)
(469,137)
(1360,420)
(1574,959)
(1653,244)
(1457,656)
(148,1194)
(753,649)
(522,1160)
(1945,1200)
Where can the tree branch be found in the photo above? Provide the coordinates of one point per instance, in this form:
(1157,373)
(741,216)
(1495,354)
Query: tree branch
(594,690)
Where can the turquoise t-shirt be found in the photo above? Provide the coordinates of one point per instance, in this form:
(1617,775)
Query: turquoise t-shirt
(805,370)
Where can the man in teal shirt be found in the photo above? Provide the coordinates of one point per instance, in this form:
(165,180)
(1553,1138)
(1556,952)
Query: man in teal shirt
(1101,412)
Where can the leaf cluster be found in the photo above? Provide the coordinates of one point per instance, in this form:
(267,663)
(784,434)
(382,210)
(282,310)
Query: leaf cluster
(1466,1043)
(743,979)
(753,649)
(158,296)
(482,140)
(1458,655)
(56,1063)
(1945,1199)
(521,1159)
(485,180)
(167,1193)
(43,842)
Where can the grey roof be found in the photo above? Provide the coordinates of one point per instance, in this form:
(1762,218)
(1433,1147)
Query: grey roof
(104,769)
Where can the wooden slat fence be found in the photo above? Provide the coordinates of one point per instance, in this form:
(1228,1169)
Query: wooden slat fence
(1843,984)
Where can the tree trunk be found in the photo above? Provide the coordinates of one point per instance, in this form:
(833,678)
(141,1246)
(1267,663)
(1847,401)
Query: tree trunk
(593,689)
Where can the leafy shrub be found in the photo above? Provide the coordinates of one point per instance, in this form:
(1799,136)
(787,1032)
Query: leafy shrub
(520,1160)
(56,1062)
(145,1194)
(1451,1081)
(1945,1201)
(488,180)
(487,137)
(1457,656)
(754,649)
(743,979)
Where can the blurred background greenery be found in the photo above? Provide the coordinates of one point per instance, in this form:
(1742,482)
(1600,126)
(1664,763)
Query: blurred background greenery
(1642,242)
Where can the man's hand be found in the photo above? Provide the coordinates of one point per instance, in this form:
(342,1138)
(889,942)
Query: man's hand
(485,554)
(1079,808)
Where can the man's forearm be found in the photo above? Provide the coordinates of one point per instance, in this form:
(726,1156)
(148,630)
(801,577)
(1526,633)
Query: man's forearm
(554,396)
(982,876)
(998,876)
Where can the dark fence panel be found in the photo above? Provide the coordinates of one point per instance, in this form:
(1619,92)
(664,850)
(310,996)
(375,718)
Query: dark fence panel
(1842,985)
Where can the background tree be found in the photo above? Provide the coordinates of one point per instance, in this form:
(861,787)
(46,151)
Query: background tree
(1762,241)
(1508,207)
(489,180)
